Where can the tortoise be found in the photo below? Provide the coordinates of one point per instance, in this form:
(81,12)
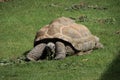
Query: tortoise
(63,37)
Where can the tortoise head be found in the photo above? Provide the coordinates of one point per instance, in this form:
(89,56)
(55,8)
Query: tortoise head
(50,48)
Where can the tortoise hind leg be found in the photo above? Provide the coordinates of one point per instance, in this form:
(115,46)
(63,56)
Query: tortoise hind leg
(60,51)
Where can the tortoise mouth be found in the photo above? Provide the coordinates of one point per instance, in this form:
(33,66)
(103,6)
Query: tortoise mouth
(54,40)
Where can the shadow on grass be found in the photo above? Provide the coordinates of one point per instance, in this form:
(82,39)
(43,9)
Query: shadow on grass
(113,71)
(24,54)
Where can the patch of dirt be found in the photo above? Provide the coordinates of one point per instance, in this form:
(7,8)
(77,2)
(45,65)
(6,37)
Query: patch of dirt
(81,18)
(83,5)
(4,0)
(117,32)
(105,20)
(84,18)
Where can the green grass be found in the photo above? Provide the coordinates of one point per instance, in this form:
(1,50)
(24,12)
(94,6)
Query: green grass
(19,21)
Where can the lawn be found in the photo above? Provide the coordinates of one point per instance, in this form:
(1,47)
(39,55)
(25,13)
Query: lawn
(20,19)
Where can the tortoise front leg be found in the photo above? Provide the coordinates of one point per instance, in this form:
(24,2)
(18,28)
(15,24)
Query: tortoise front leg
(60,50)
(36,52)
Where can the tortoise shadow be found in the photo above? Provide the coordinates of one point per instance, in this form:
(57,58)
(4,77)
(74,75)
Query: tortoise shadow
(113,71)
(26,52)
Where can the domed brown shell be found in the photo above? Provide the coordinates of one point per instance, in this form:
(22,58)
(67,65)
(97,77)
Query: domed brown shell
(66,29)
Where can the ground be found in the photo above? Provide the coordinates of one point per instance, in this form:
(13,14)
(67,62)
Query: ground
(20,19)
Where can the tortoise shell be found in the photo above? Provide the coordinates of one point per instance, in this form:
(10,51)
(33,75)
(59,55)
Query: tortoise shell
(66,29)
